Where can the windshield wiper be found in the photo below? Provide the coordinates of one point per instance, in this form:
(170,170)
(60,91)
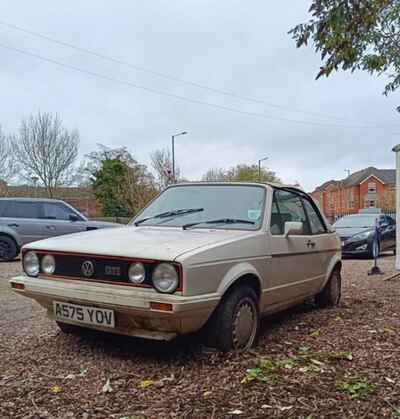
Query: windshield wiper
(219,221)
(172,213)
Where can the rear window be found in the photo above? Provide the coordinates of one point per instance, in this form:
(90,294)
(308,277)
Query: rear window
(19,209)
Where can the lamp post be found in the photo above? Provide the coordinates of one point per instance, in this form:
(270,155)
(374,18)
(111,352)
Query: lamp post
(173,152)
(396,149)
(259,167)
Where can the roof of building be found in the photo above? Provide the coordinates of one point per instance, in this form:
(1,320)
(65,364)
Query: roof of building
(387,176)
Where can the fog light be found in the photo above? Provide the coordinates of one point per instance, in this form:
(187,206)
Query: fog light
(160,306)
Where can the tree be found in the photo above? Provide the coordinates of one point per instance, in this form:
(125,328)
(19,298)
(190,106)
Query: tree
(387,201)
(241,173)
(8,167)
(47,150)
(161,162)
(119,182)
(355,35)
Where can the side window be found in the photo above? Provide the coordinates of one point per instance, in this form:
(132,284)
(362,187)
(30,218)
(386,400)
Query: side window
(53,211)
(20,209)
(316,223)
(290,208)
(277,227)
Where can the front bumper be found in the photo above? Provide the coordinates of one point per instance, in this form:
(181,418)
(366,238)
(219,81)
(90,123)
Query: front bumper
(360,247)
(133,314)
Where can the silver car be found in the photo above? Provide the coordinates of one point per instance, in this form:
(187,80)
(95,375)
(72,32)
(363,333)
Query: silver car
(24,220)
(210,256)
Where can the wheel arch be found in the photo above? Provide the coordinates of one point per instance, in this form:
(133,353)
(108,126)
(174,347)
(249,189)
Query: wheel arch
(335,265)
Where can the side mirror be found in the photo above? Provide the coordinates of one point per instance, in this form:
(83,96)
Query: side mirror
(293,228)
(73,217)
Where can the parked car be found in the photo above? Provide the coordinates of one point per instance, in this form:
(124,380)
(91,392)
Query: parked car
(210,256)
(357,233)
(24,220)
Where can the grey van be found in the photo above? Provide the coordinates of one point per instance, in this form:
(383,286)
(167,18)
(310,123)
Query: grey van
(24,220)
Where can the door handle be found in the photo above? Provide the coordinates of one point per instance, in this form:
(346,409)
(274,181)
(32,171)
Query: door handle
(13,225)
(310,244)
(50,227)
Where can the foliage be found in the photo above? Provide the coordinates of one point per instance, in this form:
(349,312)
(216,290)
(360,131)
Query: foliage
(241,173)
(161,162)
(46,150)
(387,200)
(355,35)
(357,388)
(8,167)
(119,182)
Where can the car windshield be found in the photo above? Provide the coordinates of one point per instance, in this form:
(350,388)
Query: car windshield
(357,221)
(181,205)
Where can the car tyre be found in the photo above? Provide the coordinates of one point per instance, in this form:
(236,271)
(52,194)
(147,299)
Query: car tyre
(331,293)
(234,324)
(8,248)
(69,328)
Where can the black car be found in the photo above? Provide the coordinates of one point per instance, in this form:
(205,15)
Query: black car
(357,233)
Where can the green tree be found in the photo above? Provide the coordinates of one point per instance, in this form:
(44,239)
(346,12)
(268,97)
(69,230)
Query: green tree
(119,182)
(355,35)
(241,173)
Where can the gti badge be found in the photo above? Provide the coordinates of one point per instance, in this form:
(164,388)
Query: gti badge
(87,268)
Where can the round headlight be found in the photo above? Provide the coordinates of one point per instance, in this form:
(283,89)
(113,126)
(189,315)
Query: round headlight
(165,278)
(31,263)
(48,264)
(137,273)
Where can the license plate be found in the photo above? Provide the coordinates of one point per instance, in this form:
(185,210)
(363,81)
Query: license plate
(84,314)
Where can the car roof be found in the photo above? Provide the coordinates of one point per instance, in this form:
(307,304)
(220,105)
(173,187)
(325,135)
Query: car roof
(263,184)
(25,199)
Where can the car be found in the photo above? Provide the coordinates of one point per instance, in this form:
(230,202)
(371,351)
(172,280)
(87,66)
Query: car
(24,220)
(358,233)
(201,257)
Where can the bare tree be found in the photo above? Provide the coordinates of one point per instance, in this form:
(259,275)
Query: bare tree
(214,175)
(44,148)
(161,162)
(8,167)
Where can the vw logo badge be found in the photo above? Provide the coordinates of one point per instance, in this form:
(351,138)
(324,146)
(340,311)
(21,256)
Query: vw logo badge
(87,268)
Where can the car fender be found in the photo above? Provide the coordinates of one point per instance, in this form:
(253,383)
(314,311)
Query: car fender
(12,233)
(235,273)
(336,260)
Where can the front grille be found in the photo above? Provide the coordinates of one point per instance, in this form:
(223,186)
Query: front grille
(104,269)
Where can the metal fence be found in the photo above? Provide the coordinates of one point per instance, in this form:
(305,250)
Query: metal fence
(333,219)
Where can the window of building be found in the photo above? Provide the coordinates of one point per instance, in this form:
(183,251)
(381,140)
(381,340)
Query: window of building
(372,187)
(350,199)
(370,203)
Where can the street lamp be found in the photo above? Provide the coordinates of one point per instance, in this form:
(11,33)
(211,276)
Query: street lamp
(173,152)
(259,167)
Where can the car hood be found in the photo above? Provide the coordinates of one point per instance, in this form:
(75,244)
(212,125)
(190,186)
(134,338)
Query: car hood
(351,231)
(161,243)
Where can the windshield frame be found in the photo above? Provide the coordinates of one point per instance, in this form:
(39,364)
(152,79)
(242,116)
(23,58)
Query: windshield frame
(202,184)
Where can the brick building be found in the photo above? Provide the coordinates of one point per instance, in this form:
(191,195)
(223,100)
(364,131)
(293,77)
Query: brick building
(363,189)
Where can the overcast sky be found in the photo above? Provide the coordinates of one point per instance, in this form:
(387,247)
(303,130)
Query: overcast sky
(234,46)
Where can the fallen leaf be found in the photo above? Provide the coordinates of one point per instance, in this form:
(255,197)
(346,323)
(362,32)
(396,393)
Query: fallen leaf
(70,377)
(316,333)
(389,380)
(266,406)
(55,389)
(107,387)
(146,383)
(284,408)
(236,412)
(83,372)
(207,393)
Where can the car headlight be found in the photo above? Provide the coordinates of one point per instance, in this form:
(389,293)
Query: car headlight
(362,236)
(48,264)
(165,278)
(31,263)
(137,273)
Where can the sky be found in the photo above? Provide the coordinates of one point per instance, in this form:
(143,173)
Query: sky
(311,131)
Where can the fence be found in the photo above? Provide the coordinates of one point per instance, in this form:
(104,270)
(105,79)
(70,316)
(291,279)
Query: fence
(336,217)
(119,220)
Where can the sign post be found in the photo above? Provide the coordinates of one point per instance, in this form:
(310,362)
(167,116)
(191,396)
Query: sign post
(396,149)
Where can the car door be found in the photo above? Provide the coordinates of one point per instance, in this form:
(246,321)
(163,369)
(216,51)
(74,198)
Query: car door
(295,269)
(58,219)
(387,232)
(25,218)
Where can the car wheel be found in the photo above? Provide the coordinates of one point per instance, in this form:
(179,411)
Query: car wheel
(8,248)
(69,328)
(234,325)
(375,250)
(330,295)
